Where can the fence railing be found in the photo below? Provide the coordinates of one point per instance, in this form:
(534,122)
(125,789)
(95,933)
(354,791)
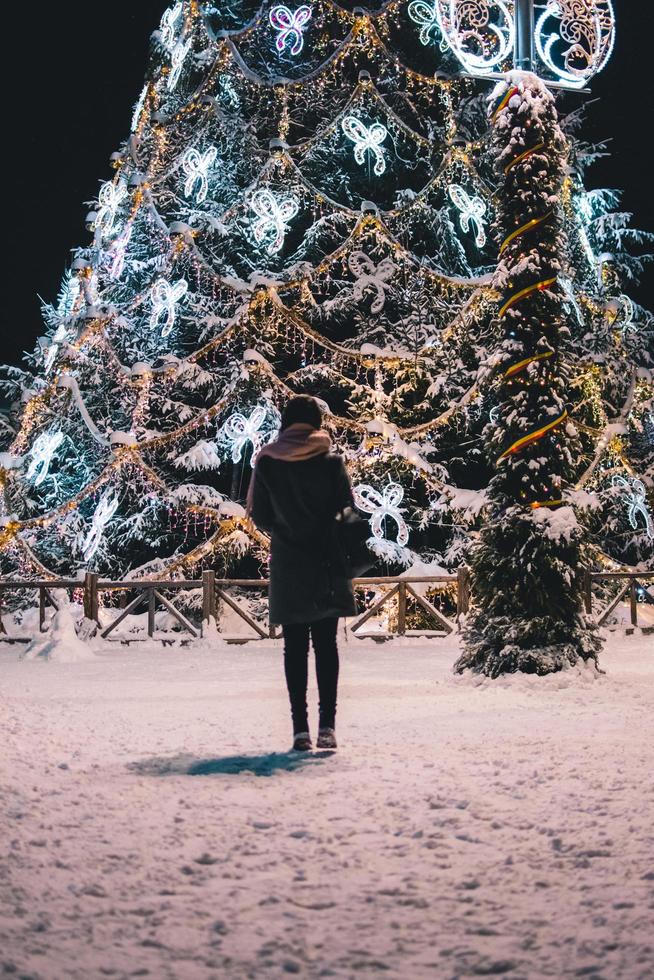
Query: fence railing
(632,583)
(393,596)
(397,594)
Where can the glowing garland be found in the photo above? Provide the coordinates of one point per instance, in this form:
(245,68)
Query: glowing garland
(107,507)
(290,25)
(366,139)
(534,436)
(472,212)
(524,364)
(522,157)
(529,226)
(636,499)
(272,217)
(383,505)
(527,291)
(41,455)
(165,296)
(196,166)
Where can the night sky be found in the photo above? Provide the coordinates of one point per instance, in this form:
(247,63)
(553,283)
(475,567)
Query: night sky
(69,104)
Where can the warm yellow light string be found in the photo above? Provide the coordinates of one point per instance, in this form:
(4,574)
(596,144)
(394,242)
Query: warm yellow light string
(523,293)
(523,156)
(532,437)
(528,226)
(522,365)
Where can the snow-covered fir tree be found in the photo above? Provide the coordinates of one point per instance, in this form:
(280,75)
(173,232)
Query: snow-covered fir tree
(306,203)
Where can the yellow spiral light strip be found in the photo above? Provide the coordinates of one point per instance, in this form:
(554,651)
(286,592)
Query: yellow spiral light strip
(533,223)
(523,156)
(523,293)
(532,437)
(521,365)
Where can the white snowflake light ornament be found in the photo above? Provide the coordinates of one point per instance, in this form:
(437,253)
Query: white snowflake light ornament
(636,499)
(371,277)
(41,455)
(290,25)
(383,505)
(196,166)
(366,140)
(272,217)
(240,430)
(473,210)
(110,198)
(165,296)
(107,507)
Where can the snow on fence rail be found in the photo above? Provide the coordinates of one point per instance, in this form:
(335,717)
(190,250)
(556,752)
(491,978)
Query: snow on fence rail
(391,596)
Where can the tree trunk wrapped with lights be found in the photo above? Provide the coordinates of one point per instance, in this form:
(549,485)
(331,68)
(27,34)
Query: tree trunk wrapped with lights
(527,561)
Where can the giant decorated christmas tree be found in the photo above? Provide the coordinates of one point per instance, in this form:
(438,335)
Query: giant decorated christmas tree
(310,202)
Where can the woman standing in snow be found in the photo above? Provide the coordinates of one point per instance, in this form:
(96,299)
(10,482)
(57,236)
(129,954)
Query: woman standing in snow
(297,490)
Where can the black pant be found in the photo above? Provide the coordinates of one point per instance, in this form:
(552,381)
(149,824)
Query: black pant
(296,665)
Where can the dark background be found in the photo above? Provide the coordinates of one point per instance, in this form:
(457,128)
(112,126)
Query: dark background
(76,72)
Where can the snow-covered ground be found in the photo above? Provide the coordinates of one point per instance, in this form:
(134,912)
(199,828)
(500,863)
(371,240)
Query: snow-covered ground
(154,825)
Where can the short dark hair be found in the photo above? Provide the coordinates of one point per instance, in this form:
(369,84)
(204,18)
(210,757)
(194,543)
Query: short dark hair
(302,408)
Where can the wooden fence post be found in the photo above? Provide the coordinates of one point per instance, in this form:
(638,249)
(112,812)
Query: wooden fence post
(208,596)
(463,592)
(587,590)
(401,609)
(91,598)
(152,603)
(42,603)
(634,602)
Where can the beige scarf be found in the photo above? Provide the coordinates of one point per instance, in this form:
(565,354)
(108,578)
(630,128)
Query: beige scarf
(293,445)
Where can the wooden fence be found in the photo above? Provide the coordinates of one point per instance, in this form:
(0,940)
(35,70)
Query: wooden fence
(392,595)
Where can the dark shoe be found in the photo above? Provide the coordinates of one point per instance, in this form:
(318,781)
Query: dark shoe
(302,742)
(326,739)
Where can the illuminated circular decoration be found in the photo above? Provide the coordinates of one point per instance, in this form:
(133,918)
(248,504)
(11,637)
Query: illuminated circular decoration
(481,33)
(366,139)
(575,39)
(383,505)
(290,25)
(272,217)
(472,212)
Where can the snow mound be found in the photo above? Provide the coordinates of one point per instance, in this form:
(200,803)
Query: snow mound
(61,644)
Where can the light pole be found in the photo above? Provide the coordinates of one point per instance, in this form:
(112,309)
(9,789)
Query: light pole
(523,56)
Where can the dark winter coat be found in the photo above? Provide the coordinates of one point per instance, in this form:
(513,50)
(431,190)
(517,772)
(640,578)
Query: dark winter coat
(296,503)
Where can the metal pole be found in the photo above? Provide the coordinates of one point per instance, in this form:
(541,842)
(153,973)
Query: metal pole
(524,35)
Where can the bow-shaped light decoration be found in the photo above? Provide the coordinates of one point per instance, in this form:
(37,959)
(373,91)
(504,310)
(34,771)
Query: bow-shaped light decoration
(383,505)
(371,276)
(196,166)
(366,139)
(627,314)
(169,25)
(636,499)
(240,430)
(107,507)
(272,219)
(428,18)
(41,455)
(575,38)
(110,198)
(165,296)
(177,59)
(290,25)
(118,252)
(473,210)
